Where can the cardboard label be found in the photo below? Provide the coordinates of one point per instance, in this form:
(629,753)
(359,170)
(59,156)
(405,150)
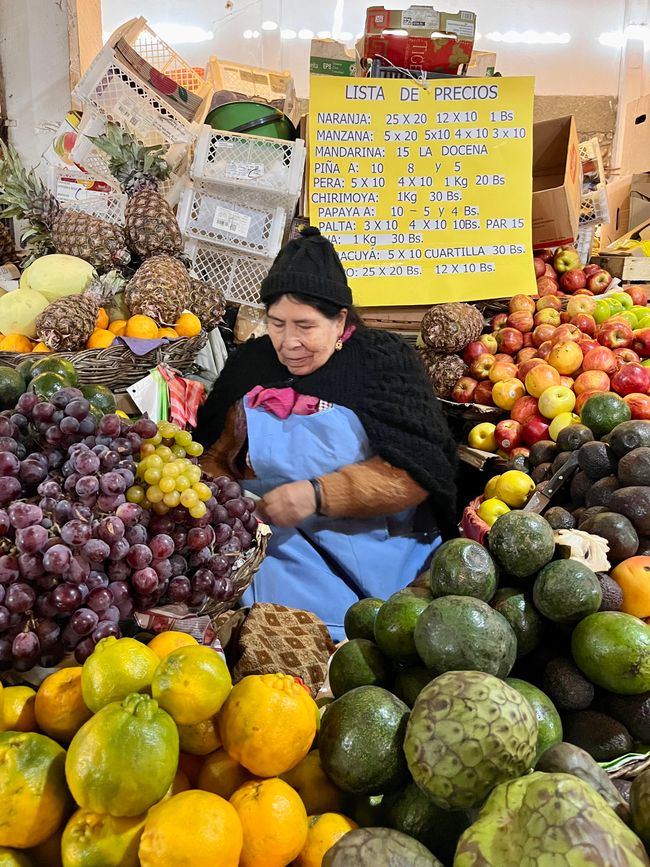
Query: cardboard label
(78,190)
(331,66)
(233,222)
(244,171)
(425,190)
(421,16)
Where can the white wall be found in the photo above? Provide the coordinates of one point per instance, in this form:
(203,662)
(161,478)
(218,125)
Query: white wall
(582,66)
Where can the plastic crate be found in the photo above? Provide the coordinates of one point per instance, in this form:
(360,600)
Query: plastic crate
(250,162)
(98,195)
(585,242)
(253,82)
(238,275)
(231,219)
(591,155)
(594,207)
(113,89)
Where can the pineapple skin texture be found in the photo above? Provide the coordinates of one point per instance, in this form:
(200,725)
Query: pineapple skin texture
(208,303)
(151,226)
(99,242)
(160,289)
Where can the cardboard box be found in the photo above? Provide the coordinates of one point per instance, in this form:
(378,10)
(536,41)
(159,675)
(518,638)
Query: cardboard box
(639,199)
(329,57)
(636,137)
(420,37)
(618,200)
(482,64)
(557,182)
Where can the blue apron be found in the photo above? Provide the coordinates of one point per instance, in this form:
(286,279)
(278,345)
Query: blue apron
(325,565)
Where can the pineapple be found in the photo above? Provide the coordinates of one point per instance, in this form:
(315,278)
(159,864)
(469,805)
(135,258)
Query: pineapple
(443,371)
(24,195)
(207,302)
(6,245)
(151,226)
(66,324)
(450,327)
(160,288)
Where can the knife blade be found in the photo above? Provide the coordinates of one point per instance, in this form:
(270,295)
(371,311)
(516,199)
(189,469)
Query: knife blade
(541,499)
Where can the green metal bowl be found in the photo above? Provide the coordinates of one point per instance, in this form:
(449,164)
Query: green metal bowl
(252,118)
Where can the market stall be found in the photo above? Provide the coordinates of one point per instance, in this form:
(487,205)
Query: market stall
(494,710)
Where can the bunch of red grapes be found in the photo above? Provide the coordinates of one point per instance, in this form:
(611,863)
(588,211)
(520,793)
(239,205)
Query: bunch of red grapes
(75,557)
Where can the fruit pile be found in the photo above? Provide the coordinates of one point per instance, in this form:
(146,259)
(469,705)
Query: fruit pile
(560,272)
(83,545)
(62,303)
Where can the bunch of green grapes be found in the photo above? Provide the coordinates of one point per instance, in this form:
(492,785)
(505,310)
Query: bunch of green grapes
(166,476)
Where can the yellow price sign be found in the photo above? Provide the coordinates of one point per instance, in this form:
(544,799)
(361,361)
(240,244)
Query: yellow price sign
(425,188)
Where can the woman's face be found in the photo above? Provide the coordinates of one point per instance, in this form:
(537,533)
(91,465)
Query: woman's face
(302,336)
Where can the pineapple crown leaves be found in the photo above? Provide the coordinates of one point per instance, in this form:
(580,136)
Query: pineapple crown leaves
(20,190)
(129,158)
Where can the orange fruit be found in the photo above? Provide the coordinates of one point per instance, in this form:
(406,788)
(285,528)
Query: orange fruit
(318,792)
(33,791)
(47,854)
(118,326)
(274,822)
(17,709)
(102,319)
(59,706)
(192,829)
(141,326)
(116,668)
(322,833)
(15,343)
(222,775)
(163,643)
(268,723)
(41,347)
(191,684)
(199,739)
(168,332)
(97,838)
(100,339)
(187,325)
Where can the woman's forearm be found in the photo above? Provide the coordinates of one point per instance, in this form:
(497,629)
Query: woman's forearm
(368,489)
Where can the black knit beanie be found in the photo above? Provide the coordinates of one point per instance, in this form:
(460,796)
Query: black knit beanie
(308,265)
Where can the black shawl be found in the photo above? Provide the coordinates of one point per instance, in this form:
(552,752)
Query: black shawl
(377,376)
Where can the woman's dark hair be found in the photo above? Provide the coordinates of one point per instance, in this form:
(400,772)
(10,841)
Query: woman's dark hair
(327,308)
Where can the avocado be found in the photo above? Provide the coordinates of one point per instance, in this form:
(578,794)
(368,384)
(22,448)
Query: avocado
(587,515)
(578,514)
(633,711)
(542,452)
(572,437)
(634,503)
(644,547)
(559,461)
(600,493)
(612,593)
(559,518)
(597,460)
(568,688)
(541,473)
(630,435)
(619,532)
(603,737)
(634,468)
(580,485)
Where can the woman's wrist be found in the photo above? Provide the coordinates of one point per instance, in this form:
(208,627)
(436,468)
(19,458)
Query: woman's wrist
(318,496)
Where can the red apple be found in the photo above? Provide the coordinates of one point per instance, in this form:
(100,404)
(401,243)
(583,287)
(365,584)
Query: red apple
(534,430)
(547,316)
(553,301)
(520,451)
(526,354)
(581,304)
(543,333)
(510,339)
(501,370)
(566,258)
(521,320)
(586,292)
(573,280)
(526,366)
(591,268)
(631,378)
(545,255)
(585,322)
(483,393)
(625,356)
(524,409)
(506,392)
(521,304)
(615,335)
(499,321)
(540,378)
(567,381)
(549,271)
(641,343)
(490,342)
(582,399)
(639,405)
(591,380)
(587,344)
(565,332)
(463,391)
(598,281)
(547,286)
(544,350)
(508,434)
(540,266)
(600,359)
(504,356)
(638,295)
(565,317)
(528,340)
(566,357)
(474,350)
(480,367)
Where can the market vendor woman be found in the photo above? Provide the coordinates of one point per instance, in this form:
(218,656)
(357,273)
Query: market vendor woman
(335,427)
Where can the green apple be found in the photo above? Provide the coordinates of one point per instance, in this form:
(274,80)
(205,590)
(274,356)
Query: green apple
(629,317)
(602,312)
(646,363)
(624,299)
(555,400)
(643,321)
(564,419)
(614,305)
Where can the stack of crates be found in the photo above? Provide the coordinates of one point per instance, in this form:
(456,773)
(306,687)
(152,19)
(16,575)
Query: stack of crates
(237,207)
(594,208)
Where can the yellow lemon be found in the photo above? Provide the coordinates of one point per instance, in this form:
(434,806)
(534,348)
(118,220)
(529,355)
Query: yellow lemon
(491,509)
(514,488)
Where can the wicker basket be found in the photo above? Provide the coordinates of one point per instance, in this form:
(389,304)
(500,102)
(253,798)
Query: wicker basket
(116,366)
(242,576)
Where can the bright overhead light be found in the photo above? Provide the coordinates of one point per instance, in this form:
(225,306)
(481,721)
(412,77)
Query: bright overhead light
(248,34)
(530,37)
(618,38)
(305,34)
(269,25)
(256,34)
(288,34)
(181,34)
(324,34)
(345,36)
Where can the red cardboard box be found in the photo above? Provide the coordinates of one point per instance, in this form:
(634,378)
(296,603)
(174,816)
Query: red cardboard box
(420,37)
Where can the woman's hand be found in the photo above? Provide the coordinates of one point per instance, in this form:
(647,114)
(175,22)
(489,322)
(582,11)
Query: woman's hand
(288,505)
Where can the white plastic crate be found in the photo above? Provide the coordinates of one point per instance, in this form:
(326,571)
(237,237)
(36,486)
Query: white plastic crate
(590,153)
(585,241)
(232,219)
(92,194)
(250,162)
(594,207)
(252,82)
(238,275)
(113,89)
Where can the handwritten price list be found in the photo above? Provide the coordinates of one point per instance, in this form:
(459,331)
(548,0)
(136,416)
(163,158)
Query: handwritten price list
(426,191)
